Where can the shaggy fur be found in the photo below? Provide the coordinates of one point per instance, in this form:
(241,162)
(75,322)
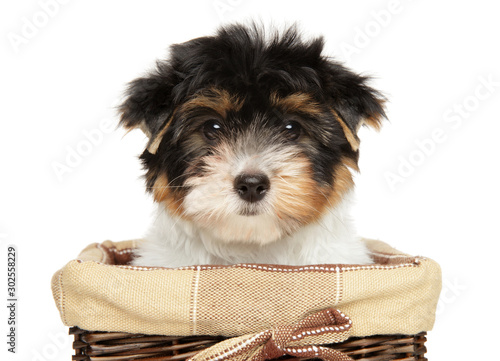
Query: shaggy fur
(252,141)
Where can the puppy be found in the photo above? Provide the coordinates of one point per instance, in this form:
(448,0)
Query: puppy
(252,145)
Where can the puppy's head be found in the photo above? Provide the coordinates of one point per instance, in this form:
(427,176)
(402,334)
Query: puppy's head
(250,138)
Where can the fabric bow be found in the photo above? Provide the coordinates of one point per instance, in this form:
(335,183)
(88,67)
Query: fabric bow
(298,340)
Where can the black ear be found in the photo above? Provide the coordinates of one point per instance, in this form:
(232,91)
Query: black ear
(147,104)
(149,100)
(354,102)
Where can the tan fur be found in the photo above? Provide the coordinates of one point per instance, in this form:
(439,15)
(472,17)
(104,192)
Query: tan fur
(298,197)
(296,102)
(163,194)
(351,138)
(142,125)
(305,201)
(375,121)
(154,143)
(216,99)
(342,181)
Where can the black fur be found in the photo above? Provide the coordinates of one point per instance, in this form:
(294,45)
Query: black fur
(239,60)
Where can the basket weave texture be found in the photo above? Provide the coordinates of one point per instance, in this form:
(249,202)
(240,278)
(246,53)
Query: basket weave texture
(119,346)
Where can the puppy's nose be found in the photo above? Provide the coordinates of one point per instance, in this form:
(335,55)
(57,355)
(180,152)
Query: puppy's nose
(252,187)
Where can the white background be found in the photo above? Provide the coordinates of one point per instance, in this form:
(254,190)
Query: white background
(62,75)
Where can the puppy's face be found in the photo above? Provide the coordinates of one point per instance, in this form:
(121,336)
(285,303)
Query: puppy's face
(250,146)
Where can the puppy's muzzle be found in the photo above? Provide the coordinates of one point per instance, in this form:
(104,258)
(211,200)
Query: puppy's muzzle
(252,187)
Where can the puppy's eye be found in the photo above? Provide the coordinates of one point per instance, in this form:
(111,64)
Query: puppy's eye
(293,130)
(211,130)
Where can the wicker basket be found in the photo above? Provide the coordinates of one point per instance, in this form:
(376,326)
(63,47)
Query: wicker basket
(121,346)
(375,312)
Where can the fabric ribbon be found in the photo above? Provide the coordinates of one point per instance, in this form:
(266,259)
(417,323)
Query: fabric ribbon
(297,340)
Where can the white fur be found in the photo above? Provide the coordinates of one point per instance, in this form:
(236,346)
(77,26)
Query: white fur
(175,242)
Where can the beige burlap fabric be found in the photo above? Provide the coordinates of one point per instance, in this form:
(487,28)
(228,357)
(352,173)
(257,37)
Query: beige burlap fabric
(99,291)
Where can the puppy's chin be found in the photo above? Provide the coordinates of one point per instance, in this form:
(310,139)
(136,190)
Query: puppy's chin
(257,229)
